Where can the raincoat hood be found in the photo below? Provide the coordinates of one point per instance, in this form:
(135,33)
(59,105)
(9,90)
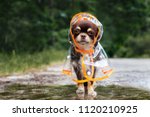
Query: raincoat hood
(87,16)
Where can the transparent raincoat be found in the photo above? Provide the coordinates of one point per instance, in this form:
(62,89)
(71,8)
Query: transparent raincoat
(93,70)
(94,66)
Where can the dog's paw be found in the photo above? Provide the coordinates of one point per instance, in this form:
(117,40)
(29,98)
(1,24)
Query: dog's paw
(91,92)
(80,96)
(80,89)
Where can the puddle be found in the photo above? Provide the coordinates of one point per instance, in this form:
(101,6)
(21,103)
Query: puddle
(51,84)
(67,92)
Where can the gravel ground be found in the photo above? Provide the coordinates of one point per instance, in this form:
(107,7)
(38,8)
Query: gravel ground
(127,72)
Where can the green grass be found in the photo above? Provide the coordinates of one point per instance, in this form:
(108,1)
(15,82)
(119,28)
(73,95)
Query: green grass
(19,63)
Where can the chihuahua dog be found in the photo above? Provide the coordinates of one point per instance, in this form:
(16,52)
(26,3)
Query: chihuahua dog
(85,33)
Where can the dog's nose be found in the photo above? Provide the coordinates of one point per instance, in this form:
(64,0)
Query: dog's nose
(83,36)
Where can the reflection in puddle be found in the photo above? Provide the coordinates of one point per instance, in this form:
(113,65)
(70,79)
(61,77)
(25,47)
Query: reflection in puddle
(67,92)
(84,97)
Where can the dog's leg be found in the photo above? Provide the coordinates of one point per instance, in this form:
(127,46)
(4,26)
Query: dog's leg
(91,88)
(86,87)
(80,89)
(91,91)
(79,75)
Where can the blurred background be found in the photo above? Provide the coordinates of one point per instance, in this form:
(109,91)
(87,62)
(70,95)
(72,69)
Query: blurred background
(34,33)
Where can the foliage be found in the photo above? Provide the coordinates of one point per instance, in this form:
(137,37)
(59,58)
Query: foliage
(121,19)
(137,46)
(16,63)
(34,25)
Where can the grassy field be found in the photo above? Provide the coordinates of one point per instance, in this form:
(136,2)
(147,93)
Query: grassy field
(19,63)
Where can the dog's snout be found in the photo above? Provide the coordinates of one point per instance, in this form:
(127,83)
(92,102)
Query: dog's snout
(83,36)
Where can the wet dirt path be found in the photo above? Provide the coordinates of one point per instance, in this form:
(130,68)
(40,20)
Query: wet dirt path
(40,85)
(130,72)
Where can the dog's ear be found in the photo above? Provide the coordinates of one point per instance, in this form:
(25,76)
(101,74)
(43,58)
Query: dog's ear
(97,41)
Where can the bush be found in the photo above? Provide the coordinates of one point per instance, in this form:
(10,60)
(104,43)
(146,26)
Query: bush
(136,47)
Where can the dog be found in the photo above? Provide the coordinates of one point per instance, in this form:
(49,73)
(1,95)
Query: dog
(84,35)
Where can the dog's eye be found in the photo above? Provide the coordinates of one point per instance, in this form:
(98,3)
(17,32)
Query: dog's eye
(90,32)
(77,30)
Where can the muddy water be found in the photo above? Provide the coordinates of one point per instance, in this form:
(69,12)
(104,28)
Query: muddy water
(131,80)
(67,92)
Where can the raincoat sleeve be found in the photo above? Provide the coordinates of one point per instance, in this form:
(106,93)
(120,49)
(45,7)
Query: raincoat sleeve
(67,68)
(103,62)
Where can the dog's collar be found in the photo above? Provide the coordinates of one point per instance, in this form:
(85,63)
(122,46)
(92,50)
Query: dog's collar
(97,50)
(90,51)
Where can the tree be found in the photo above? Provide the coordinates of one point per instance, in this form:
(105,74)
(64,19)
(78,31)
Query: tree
(121,19)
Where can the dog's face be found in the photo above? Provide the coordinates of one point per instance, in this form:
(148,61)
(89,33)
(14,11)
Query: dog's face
(84,33)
